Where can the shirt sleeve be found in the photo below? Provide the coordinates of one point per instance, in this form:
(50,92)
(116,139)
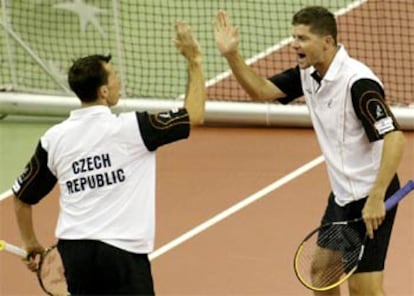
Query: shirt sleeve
(370,107)
(163,127)
(37,180)
(289,83)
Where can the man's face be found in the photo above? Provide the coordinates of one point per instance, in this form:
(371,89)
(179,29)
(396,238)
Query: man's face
(310,48)
(114,85)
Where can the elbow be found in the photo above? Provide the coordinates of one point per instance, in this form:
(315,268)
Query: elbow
(396,141)
(264,92)
(255,96)
(19,205)
(195,105)
(197,118)
(400,138)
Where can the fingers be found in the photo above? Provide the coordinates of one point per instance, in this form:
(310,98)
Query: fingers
(32,261)
(181,27)
(183,31)
(372,224)
(185,41)
(373,213)
(221,21)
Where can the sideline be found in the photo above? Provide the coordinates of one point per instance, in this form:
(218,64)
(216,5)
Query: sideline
(235,208)
(226,213)
(6,194)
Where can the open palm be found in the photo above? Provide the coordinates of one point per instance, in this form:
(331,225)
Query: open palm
(226,35)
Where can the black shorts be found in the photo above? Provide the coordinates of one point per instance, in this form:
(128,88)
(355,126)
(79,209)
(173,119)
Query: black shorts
(375,249)
(95,268)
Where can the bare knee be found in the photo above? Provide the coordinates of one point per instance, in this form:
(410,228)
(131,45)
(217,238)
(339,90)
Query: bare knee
(366,284)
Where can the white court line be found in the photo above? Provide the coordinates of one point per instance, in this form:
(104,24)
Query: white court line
(226,213)
(6,194)
(235,208)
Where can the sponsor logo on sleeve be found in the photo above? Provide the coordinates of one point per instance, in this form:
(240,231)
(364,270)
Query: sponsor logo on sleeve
(384,125)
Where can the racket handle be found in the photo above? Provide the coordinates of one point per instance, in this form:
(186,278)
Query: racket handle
(5,246)
(400,194)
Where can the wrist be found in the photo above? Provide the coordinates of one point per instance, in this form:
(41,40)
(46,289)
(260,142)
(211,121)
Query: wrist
(232,55)
(196,60)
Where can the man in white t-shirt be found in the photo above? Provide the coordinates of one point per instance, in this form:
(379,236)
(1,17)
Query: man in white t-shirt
(357,133)
(104,165)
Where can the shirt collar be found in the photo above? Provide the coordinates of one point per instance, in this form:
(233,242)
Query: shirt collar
(340,56)
(90,111)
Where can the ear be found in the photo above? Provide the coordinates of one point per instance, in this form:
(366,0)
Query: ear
(103,92)
(329,40)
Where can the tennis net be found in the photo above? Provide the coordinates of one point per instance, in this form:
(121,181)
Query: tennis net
(40,38)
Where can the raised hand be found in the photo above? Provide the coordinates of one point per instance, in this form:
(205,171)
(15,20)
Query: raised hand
(226,35)
(185,42)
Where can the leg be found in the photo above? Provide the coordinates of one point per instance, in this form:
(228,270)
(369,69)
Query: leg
(332,292)
(123,273)
(366,284)
(77,257)
(368,279)
(324,260)
(324,257)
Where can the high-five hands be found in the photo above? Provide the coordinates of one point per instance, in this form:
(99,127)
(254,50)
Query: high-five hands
(185,42)
(226,35)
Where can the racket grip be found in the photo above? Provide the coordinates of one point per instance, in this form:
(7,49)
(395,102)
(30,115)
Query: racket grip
(12,249)
(398,195)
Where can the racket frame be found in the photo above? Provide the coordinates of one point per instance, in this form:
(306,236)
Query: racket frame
(15,250)
(391,202)
(39,270)
(343,279)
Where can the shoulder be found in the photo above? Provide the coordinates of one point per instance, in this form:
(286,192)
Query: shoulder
(360,71)
(52,134)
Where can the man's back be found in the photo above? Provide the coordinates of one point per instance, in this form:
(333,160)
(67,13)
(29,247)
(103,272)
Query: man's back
(106,176)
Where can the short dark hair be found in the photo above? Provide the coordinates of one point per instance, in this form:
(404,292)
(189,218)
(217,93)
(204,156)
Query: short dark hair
(87,74)
(320,20)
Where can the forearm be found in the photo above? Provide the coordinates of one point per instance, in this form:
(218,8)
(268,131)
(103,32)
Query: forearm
(392,152)
(257,87)
(196,91)
(24,218)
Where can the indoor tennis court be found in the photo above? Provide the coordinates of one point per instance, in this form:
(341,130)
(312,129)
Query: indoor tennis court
(236,198)
(249,252)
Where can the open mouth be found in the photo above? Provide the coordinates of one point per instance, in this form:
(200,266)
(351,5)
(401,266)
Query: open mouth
(301,57)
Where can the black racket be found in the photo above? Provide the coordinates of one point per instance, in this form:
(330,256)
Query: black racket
(50,272)
(330,254)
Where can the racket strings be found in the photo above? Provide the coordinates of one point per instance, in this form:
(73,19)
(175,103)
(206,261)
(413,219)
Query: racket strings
(329,254)
(52,275)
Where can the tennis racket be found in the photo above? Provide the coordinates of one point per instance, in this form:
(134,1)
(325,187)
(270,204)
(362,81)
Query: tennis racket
(330,254)
(50,272)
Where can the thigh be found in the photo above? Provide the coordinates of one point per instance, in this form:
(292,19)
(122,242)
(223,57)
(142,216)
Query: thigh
(80,267)
(96,268)
(376,249)
(124,272)
(366,283)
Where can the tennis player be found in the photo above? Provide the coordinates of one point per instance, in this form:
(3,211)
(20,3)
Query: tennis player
(358,134)
(104,165)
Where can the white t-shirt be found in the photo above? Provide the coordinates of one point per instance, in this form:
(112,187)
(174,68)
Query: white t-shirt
(350,117)
(105,166)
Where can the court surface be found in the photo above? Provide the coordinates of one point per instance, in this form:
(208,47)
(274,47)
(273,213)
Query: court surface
(232,205)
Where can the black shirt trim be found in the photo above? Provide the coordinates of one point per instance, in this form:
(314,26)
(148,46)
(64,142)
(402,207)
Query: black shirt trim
(163,128)
(289,83)
(37,180)
(368,99)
